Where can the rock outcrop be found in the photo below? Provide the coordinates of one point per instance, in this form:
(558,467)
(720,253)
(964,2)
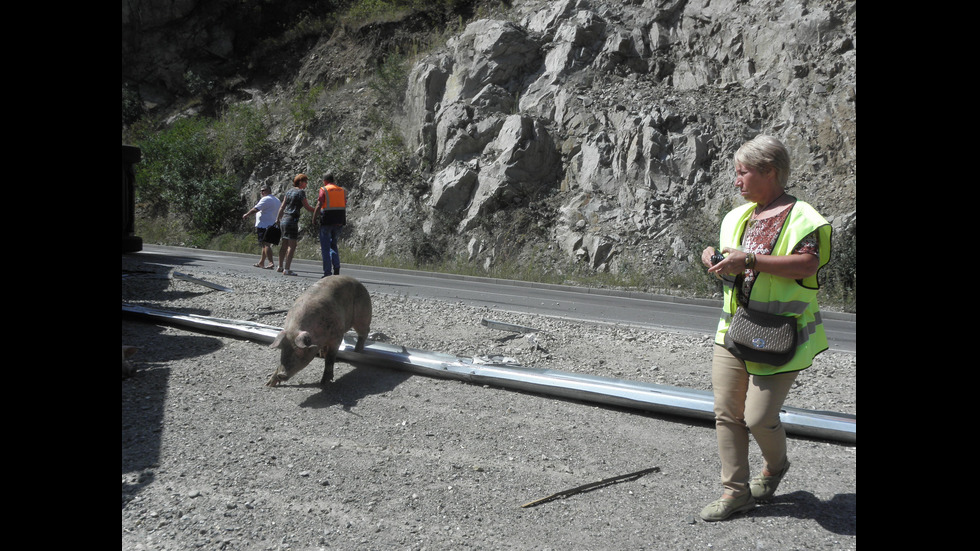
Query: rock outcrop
(626,115)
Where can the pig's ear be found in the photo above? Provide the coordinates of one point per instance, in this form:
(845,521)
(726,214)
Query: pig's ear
(278,341)
(304,340)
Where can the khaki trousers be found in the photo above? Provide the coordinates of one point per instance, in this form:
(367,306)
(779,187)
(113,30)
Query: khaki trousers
(747,403)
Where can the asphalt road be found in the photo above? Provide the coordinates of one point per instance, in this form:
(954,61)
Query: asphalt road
(577,303)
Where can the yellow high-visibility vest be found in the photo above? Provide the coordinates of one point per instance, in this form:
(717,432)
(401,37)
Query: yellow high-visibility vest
(781,295)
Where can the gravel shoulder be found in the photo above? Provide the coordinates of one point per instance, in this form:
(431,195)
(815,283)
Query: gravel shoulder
(382,459)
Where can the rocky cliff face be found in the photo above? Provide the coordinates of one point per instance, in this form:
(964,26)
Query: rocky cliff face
(599,131)
(626,116)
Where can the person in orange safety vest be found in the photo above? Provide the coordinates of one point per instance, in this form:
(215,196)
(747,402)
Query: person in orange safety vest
(331,212)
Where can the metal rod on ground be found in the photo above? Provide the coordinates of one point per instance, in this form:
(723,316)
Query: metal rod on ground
(503,326)
(245,329)
(685,402)
(591,486)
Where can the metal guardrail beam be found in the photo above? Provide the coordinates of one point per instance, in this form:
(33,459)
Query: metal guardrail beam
(618,392)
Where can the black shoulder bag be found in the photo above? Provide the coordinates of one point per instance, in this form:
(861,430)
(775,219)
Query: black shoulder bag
(272,234)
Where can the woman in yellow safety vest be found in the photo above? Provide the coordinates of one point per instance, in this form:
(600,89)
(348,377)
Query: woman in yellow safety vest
(771,250)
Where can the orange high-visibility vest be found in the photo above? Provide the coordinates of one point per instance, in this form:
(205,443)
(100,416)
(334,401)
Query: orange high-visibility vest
(333,208)
(335,197)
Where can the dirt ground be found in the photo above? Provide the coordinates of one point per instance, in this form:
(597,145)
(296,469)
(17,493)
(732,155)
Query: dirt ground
(382,459)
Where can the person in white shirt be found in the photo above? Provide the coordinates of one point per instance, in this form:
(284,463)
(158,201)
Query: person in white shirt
(265,210)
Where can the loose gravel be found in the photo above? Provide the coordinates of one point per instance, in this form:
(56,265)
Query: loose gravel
(382,459)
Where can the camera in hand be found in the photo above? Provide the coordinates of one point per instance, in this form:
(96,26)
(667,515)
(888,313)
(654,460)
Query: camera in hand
(716,258)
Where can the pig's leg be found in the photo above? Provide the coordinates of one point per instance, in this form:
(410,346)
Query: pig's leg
(274,380)
(328,361)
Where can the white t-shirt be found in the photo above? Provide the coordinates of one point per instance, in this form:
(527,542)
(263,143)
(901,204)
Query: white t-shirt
(268,208)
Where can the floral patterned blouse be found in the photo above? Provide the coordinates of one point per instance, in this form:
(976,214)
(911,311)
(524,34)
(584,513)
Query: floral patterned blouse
(760,238)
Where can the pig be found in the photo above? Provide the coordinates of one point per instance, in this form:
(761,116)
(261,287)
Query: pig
(316,323)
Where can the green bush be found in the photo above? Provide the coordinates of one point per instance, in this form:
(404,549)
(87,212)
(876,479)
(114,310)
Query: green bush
(390,80)
(241,138)
(216,205)
(172,159)
(303,105)
(181,174)
(373,10)
(390,158)
(364,12)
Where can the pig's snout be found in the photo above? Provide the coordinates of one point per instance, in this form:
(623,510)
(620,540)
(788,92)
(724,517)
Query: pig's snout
(294,356)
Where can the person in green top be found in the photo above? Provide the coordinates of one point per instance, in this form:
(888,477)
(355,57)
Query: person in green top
(293,204)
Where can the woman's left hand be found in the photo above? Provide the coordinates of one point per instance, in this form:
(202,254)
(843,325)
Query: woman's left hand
(733,264)
(706,255)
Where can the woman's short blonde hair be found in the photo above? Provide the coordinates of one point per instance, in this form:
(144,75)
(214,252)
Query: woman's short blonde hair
(299,178)
(764,153)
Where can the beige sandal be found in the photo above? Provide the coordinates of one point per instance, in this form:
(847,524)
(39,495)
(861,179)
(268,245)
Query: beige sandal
(764,487)
(722,508)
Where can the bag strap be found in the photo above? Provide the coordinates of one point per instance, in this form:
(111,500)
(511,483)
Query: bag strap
(737,289)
